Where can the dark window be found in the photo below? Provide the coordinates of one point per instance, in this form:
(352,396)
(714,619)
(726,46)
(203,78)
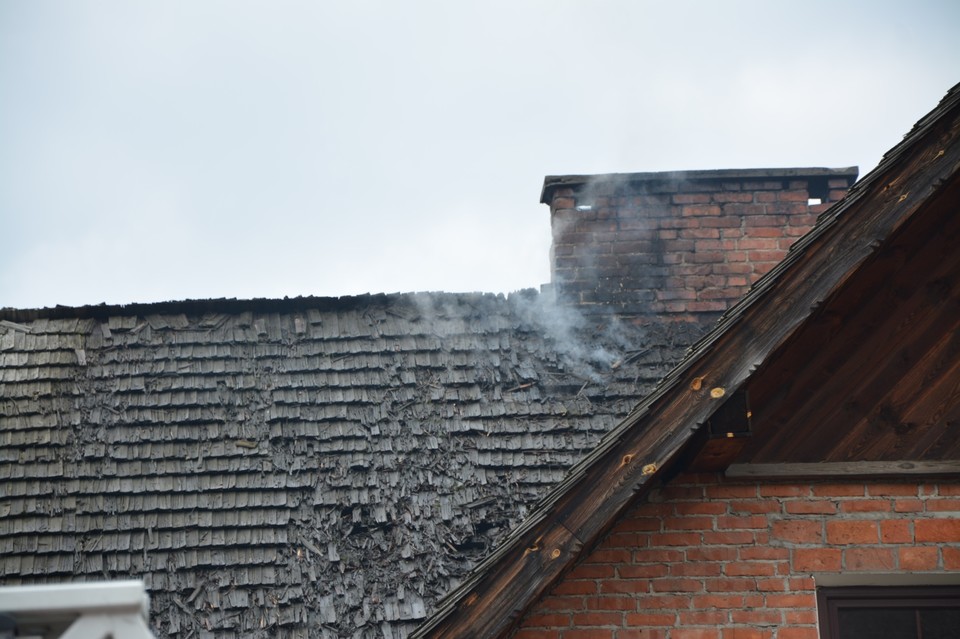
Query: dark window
(925,612)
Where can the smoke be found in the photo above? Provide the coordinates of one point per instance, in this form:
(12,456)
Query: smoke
(606,265)
(590,344)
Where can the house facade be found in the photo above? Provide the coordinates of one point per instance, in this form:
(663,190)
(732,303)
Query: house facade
(565,463)
(796,475)
(333,467)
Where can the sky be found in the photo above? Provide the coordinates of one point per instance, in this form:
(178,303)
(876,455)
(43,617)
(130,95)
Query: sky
(194,149)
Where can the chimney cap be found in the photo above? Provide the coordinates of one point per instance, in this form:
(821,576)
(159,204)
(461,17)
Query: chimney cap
(553,182)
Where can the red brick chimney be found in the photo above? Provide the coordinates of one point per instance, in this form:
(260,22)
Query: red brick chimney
(681,245)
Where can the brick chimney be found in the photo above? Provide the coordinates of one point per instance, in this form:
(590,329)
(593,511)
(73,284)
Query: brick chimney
(679,246)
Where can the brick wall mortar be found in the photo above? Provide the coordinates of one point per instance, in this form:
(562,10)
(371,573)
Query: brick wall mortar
(707,558)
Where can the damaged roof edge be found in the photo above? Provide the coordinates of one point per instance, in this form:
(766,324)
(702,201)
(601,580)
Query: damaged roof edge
(191,307)
(231,305)
(553,182)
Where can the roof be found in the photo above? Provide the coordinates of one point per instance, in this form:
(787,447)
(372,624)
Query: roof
(914,187)
(269,466)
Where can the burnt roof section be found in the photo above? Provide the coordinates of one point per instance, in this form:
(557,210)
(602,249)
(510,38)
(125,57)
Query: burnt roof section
(645,446)
(636,180)
(312,467)
(200,307)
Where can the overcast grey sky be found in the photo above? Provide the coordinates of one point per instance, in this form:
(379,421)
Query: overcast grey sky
(201,149)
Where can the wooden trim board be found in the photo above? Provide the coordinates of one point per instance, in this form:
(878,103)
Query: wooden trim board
(845,469)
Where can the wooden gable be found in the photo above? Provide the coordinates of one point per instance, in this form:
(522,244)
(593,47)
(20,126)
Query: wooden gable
(874,375)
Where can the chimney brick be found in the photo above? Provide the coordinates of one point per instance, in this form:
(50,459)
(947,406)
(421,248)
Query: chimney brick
(679,246)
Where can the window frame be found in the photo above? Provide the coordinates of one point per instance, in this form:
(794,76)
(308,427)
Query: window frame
(832,599)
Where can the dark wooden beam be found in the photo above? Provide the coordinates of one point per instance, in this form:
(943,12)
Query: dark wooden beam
(844,469)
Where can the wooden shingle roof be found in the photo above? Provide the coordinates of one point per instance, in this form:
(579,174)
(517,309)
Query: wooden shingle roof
(912,193)
(311,467)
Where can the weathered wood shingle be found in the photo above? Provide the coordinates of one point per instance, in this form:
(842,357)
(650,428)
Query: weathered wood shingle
(325,470)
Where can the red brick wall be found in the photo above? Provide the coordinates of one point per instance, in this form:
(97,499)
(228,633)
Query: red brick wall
(677,246)
(705,558)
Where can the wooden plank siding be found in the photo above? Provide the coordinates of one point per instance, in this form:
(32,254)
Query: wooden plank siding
(873,375)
